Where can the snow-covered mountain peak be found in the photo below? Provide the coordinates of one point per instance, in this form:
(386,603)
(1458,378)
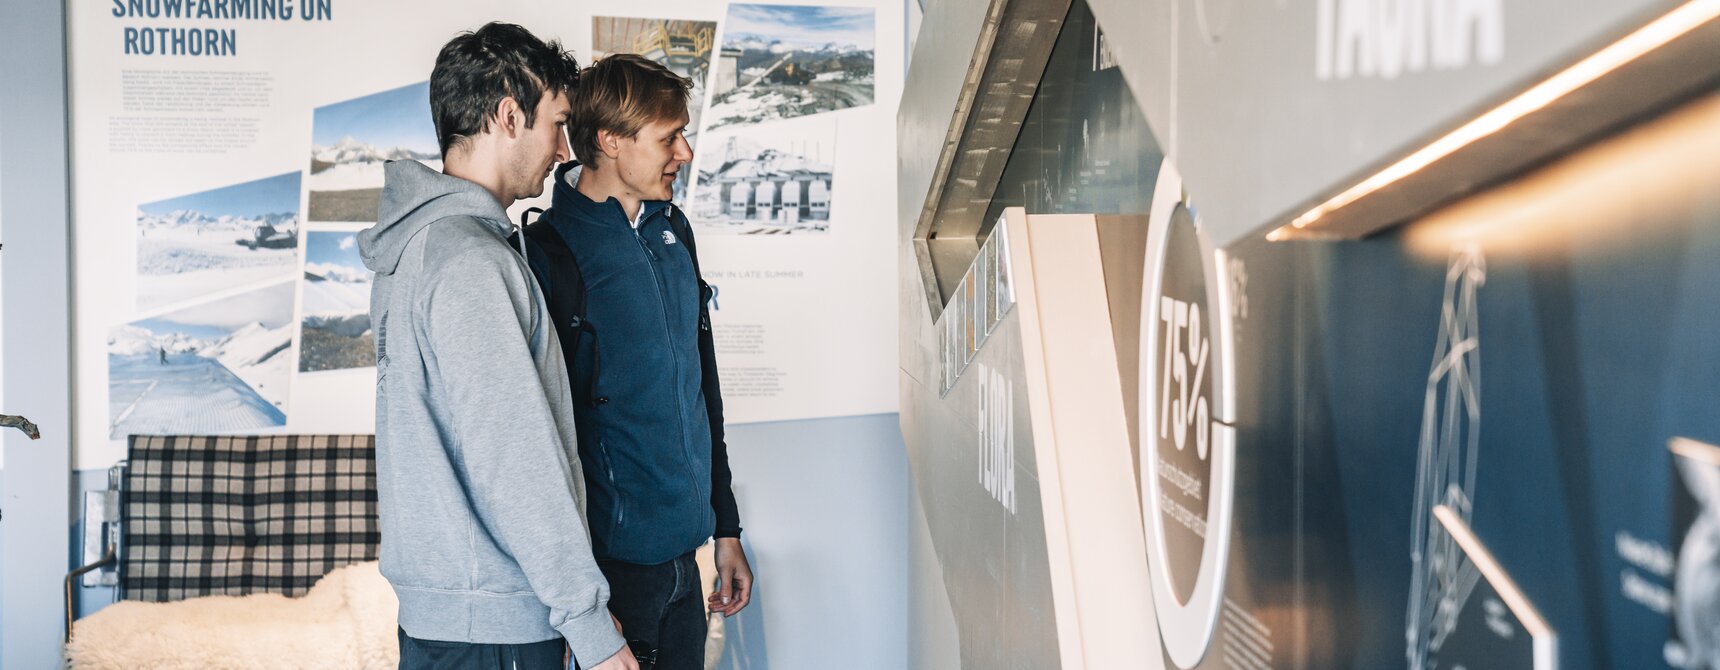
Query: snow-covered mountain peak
(189,218)
(350,150)
(344,274)
(136,341)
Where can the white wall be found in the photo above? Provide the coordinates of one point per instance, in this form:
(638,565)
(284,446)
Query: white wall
(35,285)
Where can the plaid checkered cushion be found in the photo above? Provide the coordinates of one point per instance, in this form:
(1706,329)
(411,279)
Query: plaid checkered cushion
(245,514)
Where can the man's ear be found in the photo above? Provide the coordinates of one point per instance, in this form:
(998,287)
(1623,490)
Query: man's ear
(510,119)
(609,144)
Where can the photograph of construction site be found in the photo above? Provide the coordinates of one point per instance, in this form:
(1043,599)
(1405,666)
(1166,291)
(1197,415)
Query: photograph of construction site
(767,180)
(682,46)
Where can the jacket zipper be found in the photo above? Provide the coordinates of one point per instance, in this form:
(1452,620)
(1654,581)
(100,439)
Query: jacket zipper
(668,337)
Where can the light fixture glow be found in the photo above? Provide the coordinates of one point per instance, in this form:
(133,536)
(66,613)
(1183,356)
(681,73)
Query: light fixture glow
(1685,18)
(1701,451)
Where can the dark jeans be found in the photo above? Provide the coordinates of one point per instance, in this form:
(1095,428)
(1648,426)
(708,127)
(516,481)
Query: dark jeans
(661,612)
(416,654)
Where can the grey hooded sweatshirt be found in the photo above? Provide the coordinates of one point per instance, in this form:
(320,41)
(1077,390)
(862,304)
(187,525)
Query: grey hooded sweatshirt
(478,476)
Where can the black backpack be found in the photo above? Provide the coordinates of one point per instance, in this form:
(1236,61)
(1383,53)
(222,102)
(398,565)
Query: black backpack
(567,300)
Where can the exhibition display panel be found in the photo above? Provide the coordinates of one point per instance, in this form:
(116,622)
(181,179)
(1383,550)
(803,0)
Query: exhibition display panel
(1468,423)
(219,284)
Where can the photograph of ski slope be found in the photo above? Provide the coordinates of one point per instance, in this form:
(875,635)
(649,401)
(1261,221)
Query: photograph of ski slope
(767,180)
(350,142)
(781,61)
(334,326)
(218,367)
(682,46)
(194,245)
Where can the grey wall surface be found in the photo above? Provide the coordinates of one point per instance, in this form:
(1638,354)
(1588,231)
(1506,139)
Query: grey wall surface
(933,640)
(1234,93)
(34,206)
(940,63)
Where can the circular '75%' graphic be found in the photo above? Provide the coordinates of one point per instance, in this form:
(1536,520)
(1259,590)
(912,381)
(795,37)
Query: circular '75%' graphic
(1187,410)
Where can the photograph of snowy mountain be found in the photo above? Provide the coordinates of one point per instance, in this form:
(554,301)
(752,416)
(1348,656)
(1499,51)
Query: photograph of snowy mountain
(767,180)
(682,46)
(334,326)
(352,139)
(781,61)
(205,242)
(218,367)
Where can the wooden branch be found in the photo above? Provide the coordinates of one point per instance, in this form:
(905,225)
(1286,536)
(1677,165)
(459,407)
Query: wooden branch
(21,423)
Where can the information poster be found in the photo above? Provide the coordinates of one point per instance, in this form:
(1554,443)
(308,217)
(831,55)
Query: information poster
(227,154)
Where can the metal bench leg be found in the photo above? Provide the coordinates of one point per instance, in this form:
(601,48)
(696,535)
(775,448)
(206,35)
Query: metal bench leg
(72,577)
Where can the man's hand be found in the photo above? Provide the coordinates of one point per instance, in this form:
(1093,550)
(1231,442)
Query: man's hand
(734,578)
(628,663)
(622,660)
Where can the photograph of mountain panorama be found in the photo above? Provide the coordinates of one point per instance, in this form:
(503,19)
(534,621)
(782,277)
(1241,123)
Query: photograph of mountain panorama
(197,244)
(780,62)
(335,327)
(216,367)
(350,142)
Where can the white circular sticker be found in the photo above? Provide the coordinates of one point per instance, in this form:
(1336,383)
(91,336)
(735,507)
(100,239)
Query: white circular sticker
(1187,415)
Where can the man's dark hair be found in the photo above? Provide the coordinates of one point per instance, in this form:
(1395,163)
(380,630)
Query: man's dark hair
(476,70)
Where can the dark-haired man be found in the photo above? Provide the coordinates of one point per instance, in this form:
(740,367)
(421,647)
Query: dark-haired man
(640,357)
(478,477)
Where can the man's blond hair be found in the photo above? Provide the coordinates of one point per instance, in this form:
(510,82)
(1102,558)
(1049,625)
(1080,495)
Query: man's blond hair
(621,93)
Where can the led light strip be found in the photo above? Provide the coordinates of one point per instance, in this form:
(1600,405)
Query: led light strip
(1685,18)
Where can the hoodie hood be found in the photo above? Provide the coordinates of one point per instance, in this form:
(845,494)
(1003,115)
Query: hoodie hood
(415,196)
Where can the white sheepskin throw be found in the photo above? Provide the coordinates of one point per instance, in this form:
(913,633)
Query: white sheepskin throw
(346,621)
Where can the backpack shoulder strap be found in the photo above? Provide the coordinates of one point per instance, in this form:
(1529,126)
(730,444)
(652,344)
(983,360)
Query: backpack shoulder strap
(567,293)
(566,297)
(678,221)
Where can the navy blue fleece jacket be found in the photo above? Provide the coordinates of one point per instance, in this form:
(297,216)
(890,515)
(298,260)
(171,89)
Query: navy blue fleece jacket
(657,472)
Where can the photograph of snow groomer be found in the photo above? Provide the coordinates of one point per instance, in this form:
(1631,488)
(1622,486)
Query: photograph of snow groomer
(479,482)
(620,270)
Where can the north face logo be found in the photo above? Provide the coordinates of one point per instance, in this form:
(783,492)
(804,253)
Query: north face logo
(668,237)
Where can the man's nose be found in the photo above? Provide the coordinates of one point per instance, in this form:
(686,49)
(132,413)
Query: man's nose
(562,151)
(683,150)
